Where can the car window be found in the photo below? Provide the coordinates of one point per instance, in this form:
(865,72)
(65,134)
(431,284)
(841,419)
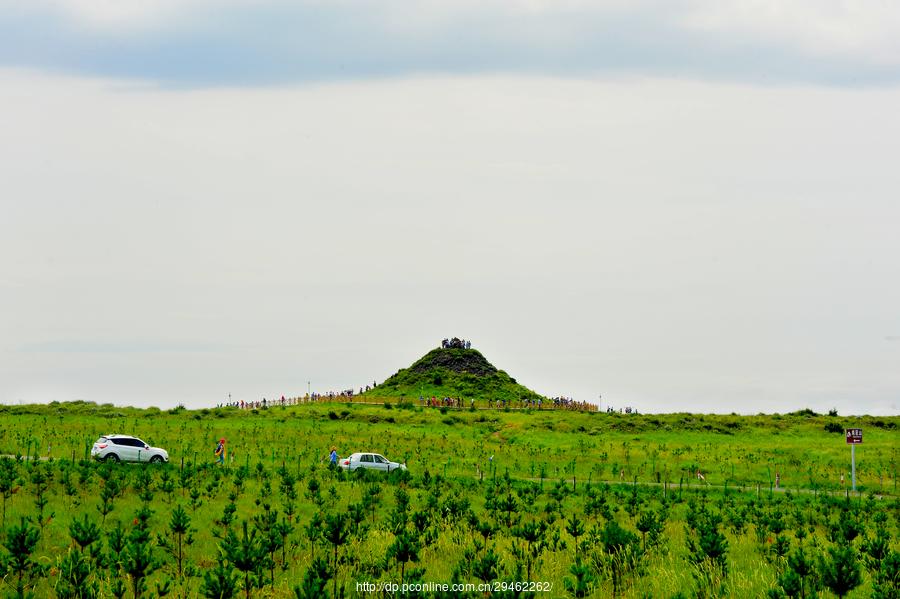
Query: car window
(366,458)
(102,440)
(139,443)
(120,441)
(380,459)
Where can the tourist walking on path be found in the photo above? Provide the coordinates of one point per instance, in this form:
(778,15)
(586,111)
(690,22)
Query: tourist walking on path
(220,451)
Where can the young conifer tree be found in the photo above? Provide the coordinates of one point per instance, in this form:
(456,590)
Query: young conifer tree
(41,480)
(220,582)
(315,581)
(840,570)
(19,569)
(84,532)
(179,525)
(76,580)
(246,554)
(337,533)
(8,476)
(404,549)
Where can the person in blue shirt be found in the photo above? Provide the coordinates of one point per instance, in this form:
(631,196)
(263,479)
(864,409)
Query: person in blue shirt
(333,456)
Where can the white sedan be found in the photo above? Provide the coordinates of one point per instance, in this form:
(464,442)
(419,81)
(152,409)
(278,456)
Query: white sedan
(373,461)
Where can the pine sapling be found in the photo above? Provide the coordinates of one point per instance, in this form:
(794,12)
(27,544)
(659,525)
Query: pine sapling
(336,532)
(139,561)
(315,581)
(245,553)
(840,571)
(84,532)
(220,582)
(20,542)
(41,481)
(8,476)
(575,528)
(75,577)
(179,525)
(404,549)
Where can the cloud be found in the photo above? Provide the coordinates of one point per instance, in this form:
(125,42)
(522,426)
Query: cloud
(669,244)
(244,42)
(866,30)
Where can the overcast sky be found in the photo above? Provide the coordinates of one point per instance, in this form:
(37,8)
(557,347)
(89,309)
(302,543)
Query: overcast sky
(681,205)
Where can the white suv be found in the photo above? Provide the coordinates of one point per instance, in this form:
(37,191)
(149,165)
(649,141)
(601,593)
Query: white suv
(123,448)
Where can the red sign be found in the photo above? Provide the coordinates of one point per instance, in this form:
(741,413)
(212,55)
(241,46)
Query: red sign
(854,436)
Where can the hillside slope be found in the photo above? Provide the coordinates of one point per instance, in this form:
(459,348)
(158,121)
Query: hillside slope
(453,372)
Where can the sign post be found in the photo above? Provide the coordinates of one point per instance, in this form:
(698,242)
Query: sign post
(854,438)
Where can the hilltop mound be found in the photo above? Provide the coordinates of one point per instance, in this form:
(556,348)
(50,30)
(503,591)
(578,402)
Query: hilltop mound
(457,360)
(453,372)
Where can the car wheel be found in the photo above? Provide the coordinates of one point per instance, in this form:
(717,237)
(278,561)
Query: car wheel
(156,459)
(111,458)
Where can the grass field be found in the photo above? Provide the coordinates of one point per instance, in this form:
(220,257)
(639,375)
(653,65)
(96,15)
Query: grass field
(491,495)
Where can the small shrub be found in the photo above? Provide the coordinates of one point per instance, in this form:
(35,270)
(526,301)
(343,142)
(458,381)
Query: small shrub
(805,412)
(834,427)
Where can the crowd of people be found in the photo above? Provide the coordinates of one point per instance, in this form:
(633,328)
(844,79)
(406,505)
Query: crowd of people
(535,403)
(625,410)
(259,404)
(500,404)
(448,402)
(342,395)
(456,343)
(333,395)
(555,403)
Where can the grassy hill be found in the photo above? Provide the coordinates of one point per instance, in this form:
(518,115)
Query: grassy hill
(451,372)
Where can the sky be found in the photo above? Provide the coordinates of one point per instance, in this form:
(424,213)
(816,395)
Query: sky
(675,206)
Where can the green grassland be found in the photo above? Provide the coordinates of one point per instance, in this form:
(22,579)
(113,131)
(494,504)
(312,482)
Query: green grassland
(503,495)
